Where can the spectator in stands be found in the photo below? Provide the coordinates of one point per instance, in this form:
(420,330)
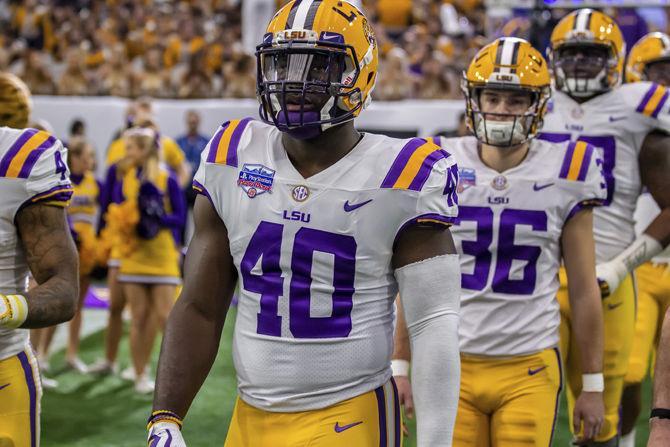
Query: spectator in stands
(435,82)
(153,79)
(240,80)
(192,142)
(35,73)
(73,80)
(196,81)
(116,75)
(396,83)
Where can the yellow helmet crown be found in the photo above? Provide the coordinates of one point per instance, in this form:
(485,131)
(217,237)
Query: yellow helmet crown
(653,47)
(587,27)
(316,47)
(15,102)
(508,63)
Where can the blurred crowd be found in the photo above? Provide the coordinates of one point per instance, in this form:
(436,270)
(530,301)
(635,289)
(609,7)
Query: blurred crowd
(193,49)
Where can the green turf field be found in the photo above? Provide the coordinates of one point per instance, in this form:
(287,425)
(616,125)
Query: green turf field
(96,412)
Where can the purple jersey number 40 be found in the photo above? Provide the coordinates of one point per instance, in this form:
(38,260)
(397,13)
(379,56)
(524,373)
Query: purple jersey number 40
(265,245)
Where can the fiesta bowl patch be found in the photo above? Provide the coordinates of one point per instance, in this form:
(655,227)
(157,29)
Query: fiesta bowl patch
(255,179)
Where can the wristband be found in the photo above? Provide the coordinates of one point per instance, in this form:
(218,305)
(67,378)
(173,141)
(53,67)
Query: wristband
(400,367)
(164,416)
(661,413)
(593,383)
(13,311)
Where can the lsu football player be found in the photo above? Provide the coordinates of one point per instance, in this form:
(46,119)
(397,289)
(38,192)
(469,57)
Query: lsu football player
(34,236)
(648,60)
(323,226)
(586,56)
(523,203)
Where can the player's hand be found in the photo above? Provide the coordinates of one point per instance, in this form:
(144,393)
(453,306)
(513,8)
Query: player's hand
(659,436)
(405,398)
(165,434)
(589,415)
(610,274)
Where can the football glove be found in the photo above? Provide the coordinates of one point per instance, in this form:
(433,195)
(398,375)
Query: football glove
(165,434)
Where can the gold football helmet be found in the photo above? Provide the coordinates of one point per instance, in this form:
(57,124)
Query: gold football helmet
(654,47)
(509,63)
(587,53)
(317,65)
(15,102)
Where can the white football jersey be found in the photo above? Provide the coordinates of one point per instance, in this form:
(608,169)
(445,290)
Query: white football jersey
(646,211)
(316,307)
(616,123)
(508,235)
(32,169)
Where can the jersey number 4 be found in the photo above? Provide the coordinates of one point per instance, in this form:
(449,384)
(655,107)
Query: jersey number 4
(265,246)
(507,251)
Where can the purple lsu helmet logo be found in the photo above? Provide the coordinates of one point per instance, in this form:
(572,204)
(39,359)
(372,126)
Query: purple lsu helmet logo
(255,179)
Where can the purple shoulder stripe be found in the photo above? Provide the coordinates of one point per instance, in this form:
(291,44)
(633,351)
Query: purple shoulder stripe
(14,149)
(401,161)
(214,144)
(565,167)
(231,159)
(586,162)
(646,98)
(660,105)
(426,168)
(32,158)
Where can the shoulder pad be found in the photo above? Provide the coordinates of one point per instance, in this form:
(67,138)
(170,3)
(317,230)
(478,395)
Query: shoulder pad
(22,155)
(225,143)
(576,161)
(413,165)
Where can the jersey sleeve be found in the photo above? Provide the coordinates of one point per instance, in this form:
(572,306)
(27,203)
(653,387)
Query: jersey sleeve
(583,177)
(39,159)
(650,102)
(220,152)
(427,176)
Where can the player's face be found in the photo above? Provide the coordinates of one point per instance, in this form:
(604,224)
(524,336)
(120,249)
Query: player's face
(659,72)
(498,103)
(582,61)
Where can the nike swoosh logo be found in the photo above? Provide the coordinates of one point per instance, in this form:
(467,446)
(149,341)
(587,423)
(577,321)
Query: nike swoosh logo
(616,118)
(349,208)
(537,187)
(340,428)
(613,306)
(532,372)
(4,386)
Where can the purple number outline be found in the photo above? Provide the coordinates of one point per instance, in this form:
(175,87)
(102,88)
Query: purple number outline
(266,244)
(508,251)
(479,248)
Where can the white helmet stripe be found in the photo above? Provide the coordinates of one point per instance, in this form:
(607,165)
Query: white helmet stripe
(301,14)
(507,54)
(583,20)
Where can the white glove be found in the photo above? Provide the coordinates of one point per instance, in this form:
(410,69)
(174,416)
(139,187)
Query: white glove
(610,274)
(165,434)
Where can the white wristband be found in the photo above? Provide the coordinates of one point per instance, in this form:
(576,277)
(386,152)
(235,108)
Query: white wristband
(13,311)
(593,383)
(400,367)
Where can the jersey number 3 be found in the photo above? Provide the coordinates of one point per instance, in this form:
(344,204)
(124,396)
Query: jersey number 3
(265,246)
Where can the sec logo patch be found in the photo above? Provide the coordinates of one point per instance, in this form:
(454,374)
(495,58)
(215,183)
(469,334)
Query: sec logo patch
(300,193)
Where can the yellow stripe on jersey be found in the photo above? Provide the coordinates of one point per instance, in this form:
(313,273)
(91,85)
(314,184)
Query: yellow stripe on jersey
(654,100)
(577,160)
(20,158)
(414,164)
(224,143)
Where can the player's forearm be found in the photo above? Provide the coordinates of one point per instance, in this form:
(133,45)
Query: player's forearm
(661,397)
(436,379)
(189,347)
(52,302)
(587,322)
(659,228)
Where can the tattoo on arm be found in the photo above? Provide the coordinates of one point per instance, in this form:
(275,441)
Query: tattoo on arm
(52,259)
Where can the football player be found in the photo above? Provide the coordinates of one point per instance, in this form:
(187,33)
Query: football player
(648,60)
(323,226)
(586,55)
(34,235)
(523,203)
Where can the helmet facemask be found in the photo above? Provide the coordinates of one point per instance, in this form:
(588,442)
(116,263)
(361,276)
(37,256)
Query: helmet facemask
(301,84)
(584,69)
(504,129)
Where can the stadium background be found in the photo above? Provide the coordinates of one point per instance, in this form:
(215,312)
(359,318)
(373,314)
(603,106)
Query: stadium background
(88,59)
